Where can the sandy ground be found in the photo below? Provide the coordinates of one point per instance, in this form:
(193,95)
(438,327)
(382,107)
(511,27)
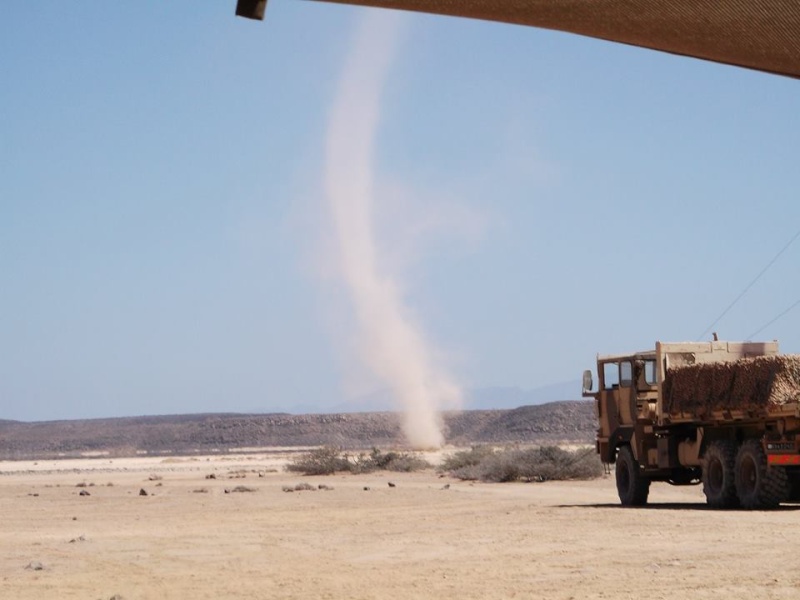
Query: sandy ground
(418,539)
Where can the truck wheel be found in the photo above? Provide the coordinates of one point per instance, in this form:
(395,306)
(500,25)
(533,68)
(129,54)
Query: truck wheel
(757,484)
(794,486)
(632,486)
(719,475)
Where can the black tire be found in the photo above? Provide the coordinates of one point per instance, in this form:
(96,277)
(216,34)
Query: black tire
(632,487)
(719,475)
(758,485)
(794,486)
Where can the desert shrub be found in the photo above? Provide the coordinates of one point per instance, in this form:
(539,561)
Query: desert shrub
(404,462)
(499,467)
(553,463)
(321,461)
(465,464)
(547,463)
(242,489)
(376,460)
(326,461)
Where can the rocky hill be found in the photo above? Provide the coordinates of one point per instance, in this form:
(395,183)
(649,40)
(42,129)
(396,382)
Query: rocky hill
(556,422)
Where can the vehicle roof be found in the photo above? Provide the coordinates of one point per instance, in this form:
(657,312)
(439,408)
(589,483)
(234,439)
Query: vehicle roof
(645,354)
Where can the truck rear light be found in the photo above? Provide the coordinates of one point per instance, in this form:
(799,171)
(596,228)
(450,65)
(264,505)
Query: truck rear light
(783,459)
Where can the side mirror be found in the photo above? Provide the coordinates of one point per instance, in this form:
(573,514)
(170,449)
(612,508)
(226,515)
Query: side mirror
(588,384)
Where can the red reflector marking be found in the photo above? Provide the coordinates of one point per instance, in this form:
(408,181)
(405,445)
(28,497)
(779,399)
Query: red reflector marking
(783,459)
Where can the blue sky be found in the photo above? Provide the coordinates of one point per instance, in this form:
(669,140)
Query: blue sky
(541,196)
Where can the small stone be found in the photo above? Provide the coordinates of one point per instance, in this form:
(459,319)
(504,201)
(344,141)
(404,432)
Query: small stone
(143,492)
(84,493)
(35,565)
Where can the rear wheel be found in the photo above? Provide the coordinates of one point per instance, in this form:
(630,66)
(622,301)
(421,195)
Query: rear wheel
(757,484)
(794,486)
(632,487)
(719,475)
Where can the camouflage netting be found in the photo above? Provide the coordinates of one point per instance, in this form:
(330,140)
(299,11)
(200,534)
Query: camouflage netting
(746,384)
(758,34)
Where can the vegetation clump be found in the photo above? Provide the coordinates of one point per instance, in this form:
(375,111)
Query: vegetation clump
(328,460)
(547,463)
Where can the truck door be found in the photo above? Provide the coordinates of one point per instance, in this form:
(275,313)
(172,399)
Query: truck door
(607,399)
(616,400)
(627,394)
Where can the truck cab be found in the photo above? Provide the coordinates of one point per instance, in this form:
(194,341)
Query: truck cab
(724,414)
(625,400)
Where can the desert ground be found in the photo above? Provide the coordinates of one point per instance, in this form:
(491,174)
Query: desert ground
(424,537)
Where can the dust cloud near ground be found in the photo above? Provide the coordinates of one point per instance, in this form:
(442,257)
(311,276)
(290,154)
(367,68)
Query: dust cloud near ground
(422,537)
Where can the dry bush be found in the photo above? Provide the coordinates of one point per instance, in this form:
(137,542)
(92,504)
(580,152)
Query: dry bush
(551,463)
(547,463)
(465,464)
(242,489)
(326,461)
(404,462)
(321,461)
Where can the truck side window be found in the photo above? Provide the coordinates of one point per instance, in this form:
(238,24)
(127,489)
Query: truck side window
(610,375)
(625,374)
(650,372)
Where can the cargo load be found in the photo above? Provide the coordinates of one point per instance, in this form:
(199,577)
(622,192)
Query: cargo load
(755,383)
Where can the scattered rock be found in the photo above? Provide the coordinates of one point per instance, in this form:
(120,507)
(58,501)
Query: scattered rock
(392,484)
(154,477)
(84,493)
(200,491)
(446,486)
(143,492)
(34,565)
(211,476)
(326,488)
(366,488)
(80,538)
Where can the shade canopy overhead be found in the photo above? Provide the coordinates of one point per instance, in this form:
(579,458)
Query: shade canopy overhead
(757,34)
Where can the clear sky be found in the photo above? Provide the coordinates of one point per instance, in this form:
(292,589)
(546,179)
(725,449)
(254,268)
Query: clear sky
(541,197)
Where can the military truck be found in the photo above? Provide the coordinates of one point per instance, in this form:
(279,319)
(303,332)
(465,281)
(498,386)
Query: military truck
(724,414)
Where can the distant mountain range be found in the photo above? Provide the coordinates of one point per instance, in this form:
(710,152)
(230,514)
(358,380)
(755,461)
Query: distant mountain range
(552,423)
(482,398)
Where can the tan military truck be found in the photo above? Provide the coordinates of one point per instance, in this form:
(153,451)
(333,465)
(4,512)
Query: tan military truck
(724,414)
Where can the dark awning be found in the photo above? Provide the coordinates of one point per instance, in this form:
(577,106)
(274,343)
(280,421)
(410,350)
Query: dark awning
(757,34)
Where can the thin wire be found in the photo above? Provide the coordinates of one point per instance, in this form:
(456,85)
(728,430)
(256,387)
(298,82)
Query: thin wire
(751,284)
(755,333)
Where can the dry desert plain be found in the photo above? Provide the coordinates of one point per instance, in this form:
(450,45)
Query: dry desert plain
(425,537)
